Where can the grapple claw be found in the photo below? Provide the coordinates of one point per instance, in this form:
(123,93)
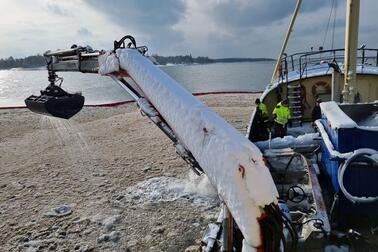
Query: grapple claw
(54,101)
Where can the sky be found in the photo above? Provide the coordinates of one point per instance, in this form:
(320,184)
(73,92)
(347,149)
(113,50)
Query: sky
(213,28)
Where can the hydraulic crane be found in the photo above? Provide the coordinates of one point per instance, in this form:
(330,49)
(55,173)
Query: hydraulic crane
(210,145)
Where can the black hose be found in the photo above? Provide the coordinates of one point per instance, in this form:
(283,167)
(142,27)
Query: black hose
(273,224)
(292,231)
(121,42)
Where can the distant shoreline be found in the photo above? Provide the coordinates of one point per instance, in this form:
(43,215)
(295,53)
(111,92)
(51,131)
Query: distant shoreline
(38,61)
(234,60)
(115,104)
(188,60)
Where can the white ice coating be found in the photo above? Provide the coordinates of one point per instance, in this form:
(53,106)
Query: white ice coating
(288,141)
(335,116)
(233,164)
(146,107)
(108,63)
(333,153)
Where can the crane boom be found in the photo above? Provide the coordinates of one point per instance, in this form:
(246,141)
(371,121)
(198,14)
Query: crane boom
(233,164)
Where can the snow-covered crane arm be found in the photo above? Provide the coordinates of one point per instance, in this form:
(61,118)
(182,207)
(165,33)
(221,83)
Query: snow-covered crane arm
(234,165)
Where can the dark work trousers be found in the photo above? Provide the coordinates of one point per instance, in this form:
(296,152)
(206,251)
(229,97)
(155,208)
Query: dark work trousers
(262,130)
(279,130)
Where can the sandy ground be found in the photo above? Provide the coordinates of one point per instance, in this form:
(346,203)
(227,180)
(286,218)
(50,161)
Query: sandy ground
(115,173)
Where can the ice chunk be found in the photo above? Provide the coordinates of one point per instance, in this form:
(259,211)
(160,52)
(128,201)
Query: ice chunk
(59,211)
(196,190)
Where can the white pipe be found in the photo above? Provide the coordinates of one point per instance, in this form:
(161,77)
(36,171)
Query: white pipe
(232,163)
(288,141)
(367,153)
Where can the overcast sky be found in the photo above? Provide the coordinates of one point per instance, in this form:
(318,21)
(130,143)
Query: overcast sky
(214,28)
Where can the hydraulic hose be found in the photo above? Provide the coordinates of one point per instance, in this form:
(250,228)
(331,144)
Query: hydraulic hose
(366,153)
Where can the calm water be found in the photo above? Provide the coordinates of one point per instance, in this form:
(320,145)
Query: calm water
(16,85)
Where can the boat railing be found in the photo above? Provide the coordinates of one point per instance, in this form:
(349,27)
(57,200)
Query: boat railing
(312,61)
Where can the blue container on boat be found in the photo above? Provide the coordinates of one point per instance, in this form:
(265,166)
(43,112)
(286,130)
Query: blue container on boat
(350,127)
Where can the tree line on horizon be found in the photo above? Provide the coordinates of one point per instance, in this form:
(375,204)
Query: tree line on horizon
(27,62)
(39,60)
(188,59)
(181,59)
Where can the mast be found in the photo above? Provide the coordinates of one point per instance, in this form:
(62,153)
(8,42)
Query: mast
(351,40)
(293,17)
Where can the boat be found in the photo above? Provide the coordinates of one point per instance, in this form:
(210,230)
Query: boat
(332,197)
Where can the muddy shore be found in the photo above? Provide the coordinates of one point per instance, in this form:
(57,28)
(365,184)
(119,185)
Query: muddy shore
(106,180)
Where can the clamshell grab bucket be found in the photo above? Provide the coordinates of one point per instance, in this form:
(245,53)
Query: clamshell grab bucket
(54,101)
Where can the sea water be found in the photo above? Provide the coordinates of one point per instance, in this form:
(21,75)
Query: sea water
(18,84)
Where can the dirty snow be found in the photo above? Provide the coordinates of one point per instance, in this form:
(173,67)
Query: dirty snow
(196,190)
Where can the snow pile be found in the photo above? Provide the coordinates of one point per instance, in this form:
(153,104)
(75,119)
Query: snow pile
(197,190)
(200,185)
(233,164)
(335,116)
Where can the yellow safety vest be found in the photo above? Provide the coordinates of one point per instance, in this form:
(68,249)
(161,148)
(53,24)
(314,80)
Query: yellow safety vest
(264,110)
(282,114)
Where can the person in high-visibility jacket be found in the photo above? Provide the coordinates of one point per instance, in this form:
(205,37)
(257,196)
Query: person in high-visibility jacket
(282,116)
(261,107)
(262,120)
